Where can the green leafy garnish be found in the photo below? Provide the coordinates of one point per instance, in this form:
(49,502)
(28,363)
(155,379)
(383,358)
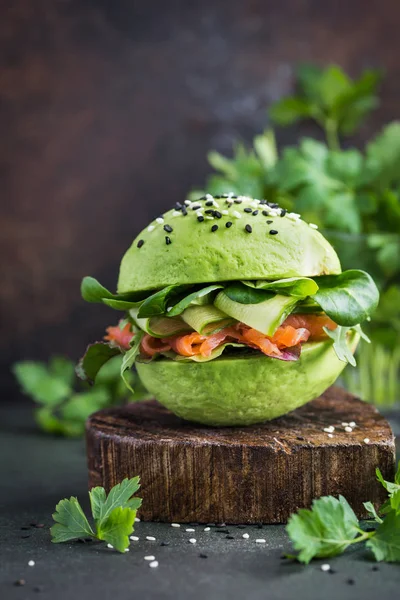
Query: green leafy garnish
(95,357)
(92,291)
(113,514)
(349,298)
(340,342)
(129,358)
(157,303)
(202,296)
(330,526)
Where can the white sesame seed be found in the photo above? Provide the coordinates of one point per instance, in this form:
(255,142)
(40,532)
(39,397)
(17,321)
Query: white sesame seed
(150,538)
(150,557)
(344,424)
(330,435)
(215,203)
(160,220)
(209,217)
(209,197)
(134,538)
(352,424)
(188,202)
(224,212)
(192,540)
(176,213)
(325,567)
(313,226)
(366,440)
(126,549)
(348,429)
(207,529)
(110,546)
(153,564)
(189,529)
(245,536)
(237,214)
(199,213)
(137,520)
(31,563)
(261,541)
(175,525)
(329,429)
(150,228)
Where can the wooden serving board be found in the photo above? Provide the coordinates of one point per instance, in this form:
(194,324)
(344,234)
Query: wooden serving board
(257,474)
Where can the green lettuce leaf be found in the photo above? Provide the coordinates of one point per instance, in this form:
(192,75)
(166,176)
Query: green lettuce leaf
(348,298)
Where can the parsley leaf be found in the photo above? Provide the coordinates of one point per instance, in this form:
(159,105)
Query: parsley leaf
(390,487)
(326,530)
(385,544)
(117,528)
(71,522)
(371,509)
(114,515)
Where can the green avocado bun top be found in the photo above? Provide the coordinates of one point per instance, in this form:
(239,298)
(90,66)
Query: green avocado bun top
(224,238)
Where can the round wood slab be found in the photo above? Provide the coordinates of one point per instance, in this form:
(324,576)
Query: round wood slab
(262,473)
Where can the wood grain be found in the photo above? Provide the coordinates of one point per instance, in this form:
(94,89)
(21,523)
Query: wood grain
(261,473)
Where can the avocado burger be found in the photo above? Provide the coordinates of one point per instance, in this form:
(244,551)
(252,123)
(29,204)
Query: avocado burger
(235,311)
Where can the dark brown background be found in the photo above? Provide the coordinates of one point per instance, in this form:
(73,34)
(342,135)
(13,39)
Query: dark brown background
(107,111)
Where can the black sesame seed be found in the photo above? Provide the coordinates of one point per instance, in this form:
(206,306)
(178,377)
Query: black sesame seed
(140,243)
(164,544)
(255,212)
(178,206)
(167,240)
(350,581)
(203,198)
(263,202)
(25,528)
(24,537)
(265,213)
(196,207)
(300,437)
(248,209)
(209,202)
(241,526)
(283,212)
(229,537)
(269,222)
(209,212)
(203,556)
(237,200)
(259,525)
(248,228)
(19,582)
(184,211)
(200,218)
(222,531)
(228,224)
(217,214)
(38,588)
(274,205)
(375,568)
(273,231)
(168,228)
(214,228)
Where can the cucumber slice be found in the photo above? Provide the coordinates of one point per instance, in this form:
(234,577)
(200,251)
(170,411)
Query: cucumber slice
(160,326)
(206,319)
(264,317)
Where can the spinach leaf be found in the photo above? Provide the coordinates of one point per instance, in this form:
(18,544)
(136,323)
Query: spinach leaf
(198,297)
(292,286)
(348,298)
(95,357)
(157,303)
(247,295)
(92,291)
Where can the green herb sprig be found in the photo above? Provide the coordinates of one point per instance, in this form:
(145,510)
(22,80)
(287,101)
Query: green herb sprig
(63,404)
(113,515)
(331,526)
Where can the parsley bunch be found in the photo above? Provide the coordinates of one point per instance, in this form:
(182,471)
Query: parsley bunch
(113,515)
(63,404)
(331,526)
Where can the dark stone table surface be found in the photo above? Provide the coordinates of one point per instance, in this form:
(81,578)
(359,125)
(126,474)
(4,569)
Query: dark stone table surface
(38,470)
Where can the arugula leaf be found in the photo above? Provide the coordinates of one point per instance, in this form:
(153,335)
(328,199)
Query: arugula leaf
(196,297)
(385,544)
(117,528)
(95,357)
(71,523)
(371,509)
(292,286)
(325,530)
(340,344)
(130,357)
(157,303)
(40,383)
(114,516)
(348,298)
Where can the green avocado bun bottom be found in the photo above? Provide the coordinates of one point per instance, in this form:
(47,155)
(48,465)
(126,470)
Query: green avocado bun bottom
(185,247)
